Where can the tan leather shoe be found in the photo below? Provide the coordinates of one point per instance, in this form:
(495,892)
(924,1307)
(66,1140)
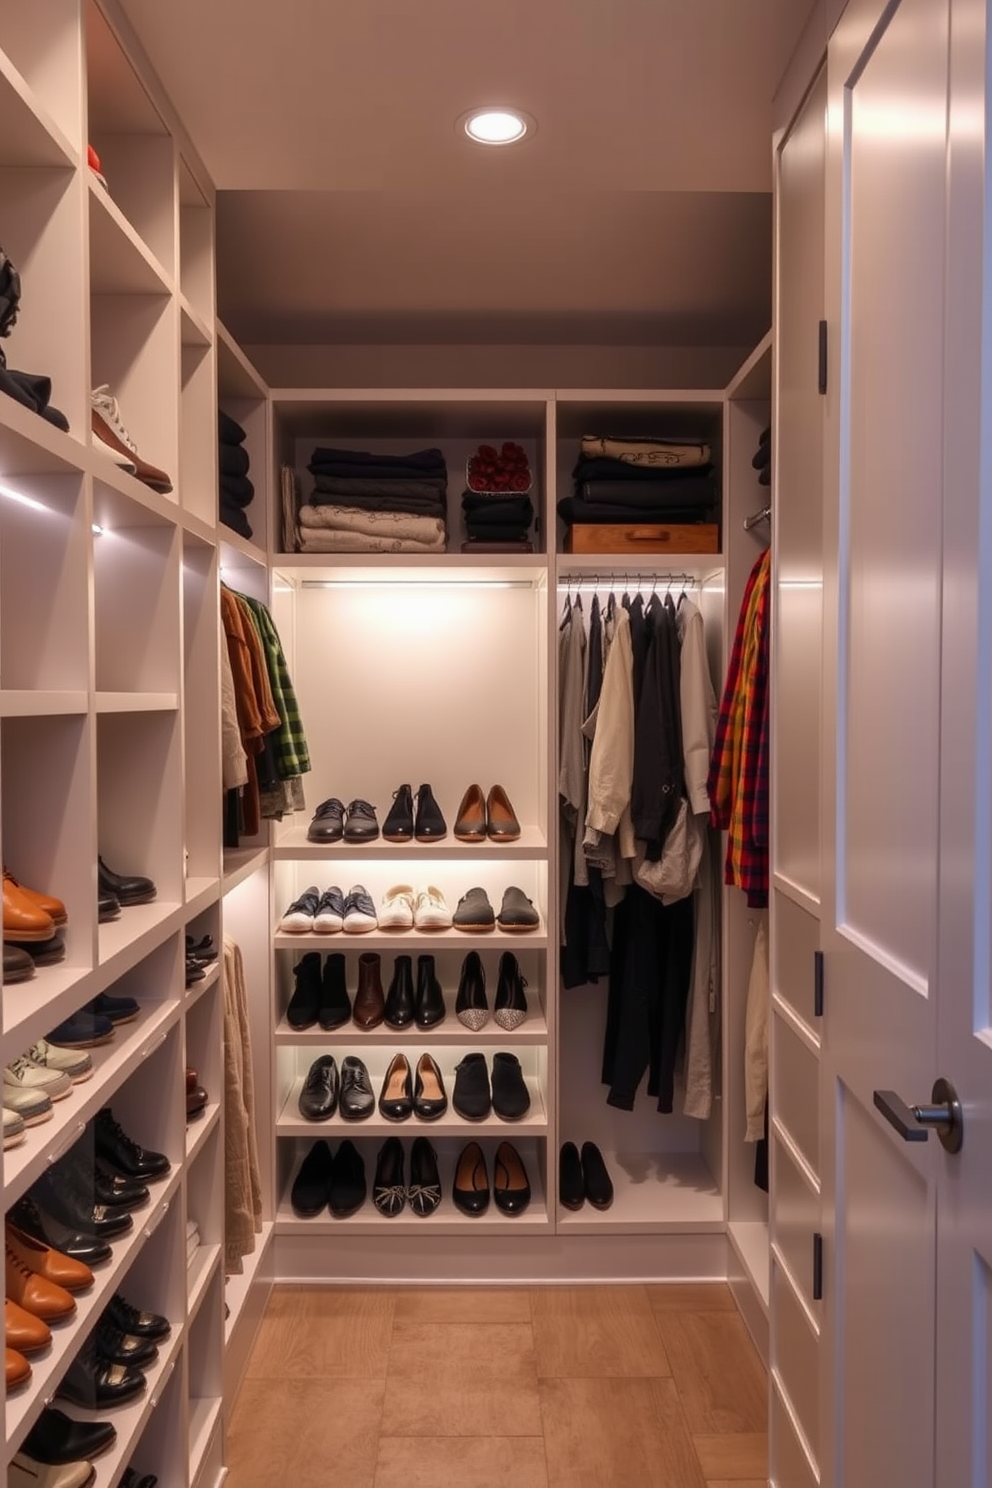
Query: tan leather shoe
(470,823)
(64,1271)
(18,1370)
(105,434)
(22,919)
(47,903)
(502,824)
(34,1293)
(24,1332)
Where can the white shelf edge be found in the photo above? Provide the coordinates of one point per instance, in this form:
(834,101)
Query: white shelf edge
(750,1240)
(63,152)
(533,1031)
(204,1413)
(410,940)
(252,377)
(199,1274)
(199,893)
(195,322)
(158,280)
(241,864)
(198,1131)
(292,846)
(136,702)
(446,1220)
(193,993)
(238,1285)
(233,547)
(26,703)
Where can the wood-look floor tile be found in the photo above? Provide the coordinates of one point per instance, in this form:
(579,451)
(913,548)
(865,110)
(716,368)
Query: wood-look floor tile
(734,1455)
(462,1305)
(282,1431)
(737,1483)
(465,1406)
(691,1296)
(312,1331)
(440,1462)
(720,1378)
(616,1433)
(454,1351)
(593,1331)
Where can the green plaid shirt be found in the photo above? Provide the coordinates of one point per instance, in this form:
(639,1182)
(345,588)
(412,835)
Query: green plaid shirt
(292,755)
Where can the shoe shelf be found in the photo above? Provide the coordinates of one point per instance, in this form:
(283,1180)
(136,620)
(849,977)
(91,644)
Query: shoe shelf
(204,1419)
(534,1030)
(28,134)
(241,863)
(201,891)
(200,1272)
(47,1369)
(135,702)
(140,929)
(654,1192)
(414,857)
(21,702)
(415,940)
(112,1064)
(447,1217)
(193,993)
(199,1129)
(289,1122)
(120,262)
(133,1416)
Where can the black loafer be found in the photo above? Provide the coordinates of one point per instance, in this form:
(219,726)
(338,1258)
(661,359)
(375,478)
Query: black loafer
(571,1188)
(388,1189)
(424,1193)
(474,912)
(511,1186)
(396,1096)
(471,1004)
(470,1190)
(471,1096)
(348,1190)
(398,826)
(56,1439)
(511,1098)
(127,888)
(308,1195)
(328,822)
(319,1096)
(122,1153)
(597,1181)
(135,1320)
(429,824)
(361,825)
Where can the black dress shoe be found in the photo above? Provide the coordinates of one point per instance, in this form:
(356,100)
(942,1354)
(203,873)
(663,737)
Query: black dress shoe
(122,1153)
(305,1001)
(429,1098)
(471,1096)
(81,1246)
(398,826)
(429,824)
(428,1002)
(111,1188)
(399,998)
(56,1439)
(202,950)
(308,1195)
(108,907)
(424,1193)
(510,1008)
(132,1480)
(356,1099)
(470,1190)
(511,1098)
(128,889)
(334,1006)
(17,965)
(571,1187)
(91,1381)
(319,1096)
(388,1189)
(123,1348)
(596,1180)
(396,1096)
(361,825)
(63,1204)
(328,822)
(134,1320)
(347,1190)
(511,1186)
(45,952)
(94,1184)
(471,1003)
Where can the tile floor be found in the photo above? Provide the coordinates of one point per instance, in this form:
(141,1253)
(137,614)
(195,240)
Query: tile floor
(536,1387)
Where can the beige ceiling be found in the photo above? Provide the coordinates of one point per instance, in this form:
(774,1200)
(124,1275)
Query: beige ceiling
(352,206)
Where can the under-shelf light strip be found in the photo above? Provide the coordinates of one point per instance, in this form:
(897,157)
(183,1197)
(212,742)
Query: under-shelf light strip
(617,577)
(416,584)
(35,505)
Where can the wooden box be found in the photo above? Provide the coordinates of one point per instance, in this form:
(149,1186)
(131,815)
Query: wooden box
(642,537)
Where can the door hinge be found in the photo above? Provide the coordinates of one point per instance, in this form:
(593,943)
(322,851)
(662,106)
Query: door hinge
(818,984)
(817,1268)
(822,358)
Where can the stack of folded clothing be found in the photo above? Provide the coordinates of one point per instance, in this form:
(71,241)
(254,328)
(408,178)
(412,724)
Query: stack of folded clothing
(372,503)
(762,459)
(621,479)
(31,389)
(497,508)
(236,490)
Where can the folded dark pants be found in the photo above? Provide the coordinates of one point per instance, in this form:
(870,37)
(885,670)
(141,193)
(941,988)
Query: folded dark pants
(574,511)
(234,517)
(497,508)
(683,493)
(232,459)
(229,431)
(428,461)
(606,469)
(344,488)
(33,391)
(420,507)
(237,490)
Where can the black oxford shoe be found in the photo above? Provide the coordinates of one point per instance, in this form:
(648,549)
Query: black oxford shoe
(319,1096)
(91,1381)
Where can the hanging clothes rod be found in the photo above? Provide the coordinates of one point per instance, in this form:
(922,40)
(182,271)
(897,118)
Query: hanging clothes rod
(614,577)
(764,515)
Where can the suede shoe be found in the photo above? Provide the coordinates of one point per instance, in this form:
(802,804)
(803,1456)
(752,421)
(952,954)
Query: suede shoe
(82,1031)
(347,1190)
(398,826)
(334,1008)
(301,1013)
(319,1095)
(360,823)
(471,1096)
(117,1009)
(429,824)
(308,1195)
(328,822)
(517,913)
(474,913)
(511,1098)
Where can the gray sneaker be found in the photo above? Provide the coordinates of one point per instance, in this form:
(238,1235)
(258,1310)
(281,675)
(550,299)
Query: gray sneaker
(474,912)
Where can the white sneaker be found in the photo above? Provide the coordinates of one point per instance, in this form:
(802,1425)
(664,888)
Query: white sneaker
(430,912)
(33,1106)
(103,402)
(13,1129)
(75,1063)
(24,1074)
(299,917)
(359,911)
(329,918)
(396,909)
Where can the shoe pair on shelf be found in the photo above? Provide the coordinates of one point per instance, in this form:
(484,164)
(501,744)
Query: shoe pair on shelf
(356,823)
(57,1451)
(199,955)
(330,912)
(321,996)
(583,1178)
(489,816)
(335,1181)
(111,436)
(391,1192)
(474,1096)
(476,916)
(120,890)
(47,1071)
(402,1094)
(470,1189)
(471,1003)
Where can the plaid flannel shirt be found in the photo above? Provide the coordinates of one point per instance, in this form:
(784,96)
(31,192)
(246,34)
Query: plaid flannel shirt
(292,754)
(737,784)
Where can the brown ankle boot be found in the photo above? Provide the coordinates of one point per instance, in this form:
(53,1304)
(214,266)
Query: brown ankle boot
(370,1003)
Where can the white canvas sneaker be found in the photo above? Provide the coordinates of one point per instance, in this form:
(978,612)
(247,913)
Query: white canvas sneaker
(13,1128)
(396,909)
(430,912)
(75,1063)
(329,918)
(24,1074)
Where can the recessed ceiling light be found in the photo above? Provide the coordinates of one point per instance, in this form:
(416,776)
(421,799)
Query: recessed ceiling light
(497,126)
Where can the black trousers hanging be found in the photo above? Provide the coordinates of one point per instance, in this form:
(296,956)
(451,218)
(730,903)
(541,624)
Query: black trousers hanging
(650,969)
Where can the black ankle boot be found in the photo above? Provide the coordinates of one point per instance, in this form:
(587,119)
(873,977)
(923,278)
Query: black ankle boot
(303,1005)
(429,825)
(399,998)
(335,1005)
(429,1002)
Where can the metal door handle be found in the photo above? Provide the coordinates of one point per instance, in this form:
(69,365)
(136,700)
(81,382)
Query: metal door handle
(913,1123)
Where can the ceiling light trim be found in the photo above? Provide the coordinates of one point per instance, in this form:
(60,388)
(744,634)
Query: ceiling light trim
(496,112)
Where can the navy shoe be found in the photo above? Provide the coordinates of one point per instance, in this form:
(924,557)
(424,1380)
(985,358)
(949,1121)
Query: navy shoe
(82,1031)
(117,1009)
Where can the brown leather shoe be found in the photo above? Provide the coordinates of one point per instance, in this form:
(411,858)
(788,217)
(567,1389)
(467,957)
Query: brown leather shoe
(470,823)
(34,1293)
(47,903)
(22,919)
(502,824)
(370,1000)
(18,1370)
(156,479)
(62,1270)
(23,1331)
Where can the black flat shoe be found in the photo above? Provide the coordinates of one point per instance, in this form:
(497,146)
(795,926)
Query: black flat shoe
(510,1008)
(400,997)
(396,1096)
(511,1186)
(511,1098)
(319,1096)
(470,1190)
(597,1181)
(429,1004)
(424,1193)
(471,1003)
(429,1098)
(571,1187)
(308,1195)
(347,1190)
(429,824)
(388,1189)
(398,826)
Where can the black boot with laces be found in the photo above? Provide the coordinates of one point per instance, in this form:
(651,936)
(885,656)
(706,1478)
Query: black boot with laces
(126,1156)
